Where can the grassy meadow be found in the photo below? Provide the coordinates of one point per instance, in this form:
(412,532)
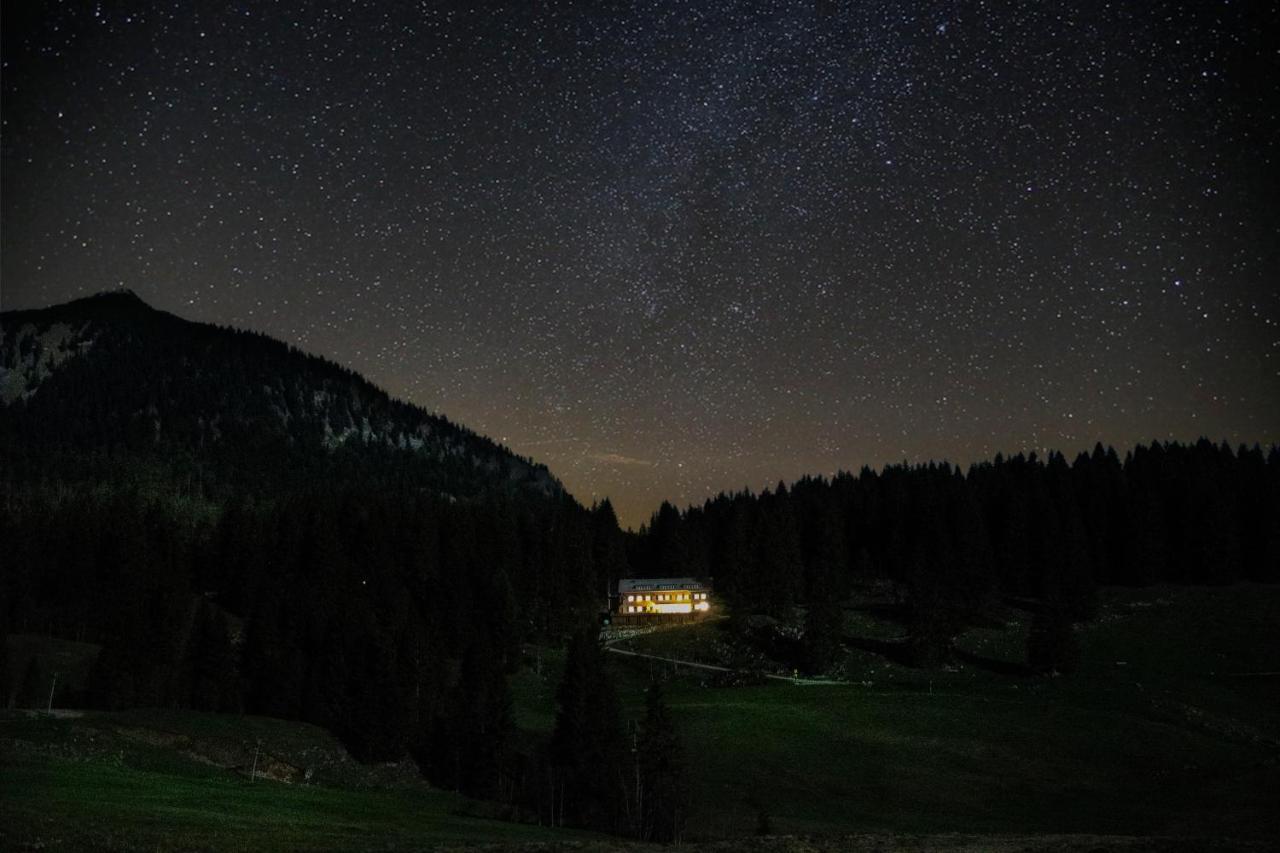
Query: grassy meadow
(170,781)
(1168,737)
(1171,727)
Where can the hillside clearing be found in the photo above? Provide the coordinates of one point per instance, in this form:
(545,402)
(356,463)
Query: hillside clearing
(1158,744)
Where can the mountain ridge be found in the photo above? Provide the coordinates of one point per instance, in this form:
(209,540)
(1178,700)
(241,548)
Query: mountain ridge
(109,372)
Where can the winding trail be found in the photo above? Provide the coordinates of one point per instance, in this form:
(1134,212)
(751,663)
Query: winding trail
(712,667)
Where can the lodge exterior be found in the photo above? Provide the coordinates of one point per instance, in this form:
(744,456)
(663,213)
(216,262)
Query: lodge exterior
(668,599)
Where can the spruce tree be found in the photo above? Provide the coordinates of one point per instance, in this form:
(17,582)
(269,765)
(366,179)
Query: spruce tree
(587,752)
(670,551)
(483,726)
(662,772)
(608,547)
(781,567)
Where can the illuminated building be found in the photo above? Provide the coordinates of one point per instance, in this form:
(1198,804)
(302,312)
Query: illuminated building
(662,598)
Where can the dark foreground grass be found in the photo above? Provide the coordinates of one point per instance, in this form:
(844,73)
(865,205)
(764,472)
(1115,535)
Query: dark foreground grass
(838,759)
(1169,729)
(1169,733)
(65,804)
(143,781)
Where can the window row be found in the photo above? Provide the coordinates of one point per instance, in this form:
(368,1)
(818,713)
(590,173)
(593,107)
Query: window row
(669,596)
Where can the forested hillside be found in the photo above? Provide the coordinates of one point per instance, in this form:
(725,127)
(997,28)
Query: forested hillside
(241,527)
(244,527)
(109,388)
(1042,530)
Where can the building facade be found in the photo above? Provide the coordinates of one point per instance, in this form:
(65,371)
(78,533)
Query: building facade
(641,599)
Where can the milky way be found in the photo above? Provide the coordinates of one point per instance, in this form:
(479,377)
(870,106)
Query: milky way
(676,248)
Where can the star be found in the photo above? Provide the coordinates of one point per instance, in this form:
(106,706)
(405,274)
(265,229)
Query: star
(765,242)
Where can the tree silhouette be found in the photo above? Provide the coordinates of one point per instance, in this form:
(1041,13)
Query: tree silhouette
(662,793)
(587,753)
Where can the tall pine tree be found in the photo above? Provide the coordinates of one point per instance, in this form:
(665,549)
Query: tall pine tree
(587,754)
(662,794)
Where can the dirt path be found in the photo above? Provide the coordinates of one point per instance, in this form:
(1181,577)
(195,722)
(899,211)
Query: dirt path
(712,667)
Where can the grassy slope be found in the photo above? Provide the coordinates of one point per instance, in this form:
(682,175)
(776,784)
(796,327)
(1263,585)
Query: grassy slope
(1176,742)
(143,780)
(1166,744)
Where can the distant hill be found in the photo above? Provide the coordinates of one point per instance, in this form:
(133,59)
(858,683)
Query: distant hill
(239,526)
(108,384)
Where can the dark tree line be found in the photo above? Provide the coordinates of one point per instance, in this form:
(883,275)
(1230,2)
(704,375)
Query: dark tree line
(1043,530)
(392,614)
(390,617)
(596,774)
(244,527)
(81,562)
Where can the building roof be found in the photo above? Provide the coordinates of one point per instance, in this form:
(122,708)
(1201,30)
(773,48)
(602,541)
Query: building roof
(634,584)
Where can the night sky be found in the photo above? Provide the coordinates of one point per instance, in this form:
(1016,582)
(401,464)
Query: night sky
(675,248)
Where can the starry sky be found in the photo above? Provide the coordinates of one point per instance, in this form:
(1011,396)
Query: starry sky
(674,248)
